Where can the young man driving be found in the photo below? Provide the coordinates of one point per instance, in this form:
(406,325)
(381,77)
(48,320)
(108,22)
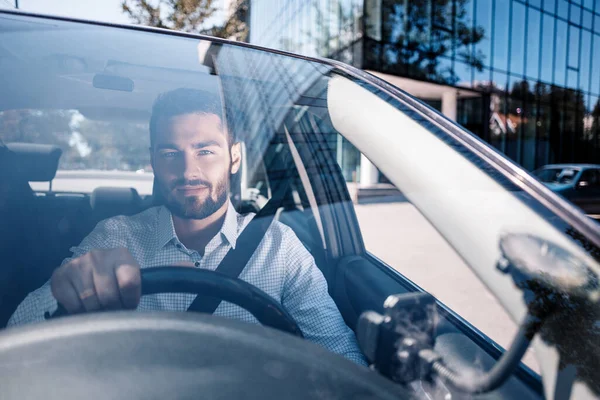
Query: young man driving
(192,156)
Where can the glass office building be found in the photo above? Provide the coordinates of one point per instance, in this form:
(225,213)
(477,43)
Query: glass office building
(523,75)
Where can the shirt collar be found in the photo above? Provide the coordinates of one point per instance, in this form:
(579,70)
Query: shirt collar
(166,229)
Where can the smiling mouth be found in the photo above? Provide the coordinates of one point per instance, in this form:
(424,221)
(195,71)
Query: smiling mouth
(191,189)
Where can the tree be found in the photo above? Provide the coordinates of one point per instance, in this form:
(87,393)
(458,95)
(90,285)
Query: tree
(190,16)
(419,37)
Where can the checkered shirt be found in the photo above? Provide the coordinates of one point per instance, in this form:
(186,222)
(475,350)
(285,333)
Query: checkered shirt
(281,266)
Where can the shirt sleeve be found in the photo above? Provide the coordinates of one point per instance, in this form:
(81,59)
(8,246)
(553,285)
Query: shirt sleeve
(41,302)
(306,298)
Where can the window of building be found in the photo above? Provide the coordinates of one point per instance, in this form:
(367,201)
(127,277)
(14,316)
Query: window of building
(561,46)
(573,60)
(587,19)
(532,42)
(584,66)
(517,39)
(483,19)
(575,14)
(500,35)
(549,6)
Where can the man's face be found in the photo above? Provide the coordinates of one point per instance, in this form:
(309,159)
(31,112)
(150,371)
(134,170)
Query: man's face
(192,161)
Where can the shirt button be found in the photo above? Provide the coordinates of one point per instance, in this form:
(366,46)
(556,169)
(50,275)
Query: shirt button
(178,246)
(197,263)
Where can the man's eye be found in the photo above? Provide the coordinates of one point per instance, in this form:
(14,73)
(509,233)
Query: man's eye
(205,152)
(168,154)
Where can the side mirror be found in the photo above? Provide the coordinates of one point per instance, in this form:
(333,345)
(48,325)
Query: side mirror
(582,184)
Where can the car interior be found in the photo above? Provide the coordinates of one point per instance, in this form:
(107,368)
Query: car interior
(41,226)
(62,220)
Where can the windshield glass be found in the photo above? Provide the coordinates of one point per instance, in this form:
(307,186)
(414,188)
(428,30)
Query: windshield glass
(557,175)
(95,152)
(125,150)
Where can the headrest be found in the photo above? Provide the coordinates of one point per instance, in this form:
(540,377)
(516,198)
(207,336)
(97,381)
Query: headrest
(34,162)
(111,201)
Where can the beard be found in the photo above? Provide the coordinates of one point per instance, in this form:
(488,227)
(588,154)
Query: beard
(193,207)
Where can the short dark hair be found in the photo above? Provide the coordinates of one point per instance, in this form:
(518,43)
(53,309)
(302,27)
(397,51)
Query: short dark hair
(186,101)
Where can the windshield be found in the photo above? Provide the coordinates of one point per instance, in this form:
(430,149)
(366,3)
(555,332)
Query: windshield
(557,175)
(125,150)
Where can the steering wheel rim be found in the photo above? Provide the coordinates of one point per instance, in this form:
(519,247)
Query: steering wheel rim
(172,279)
(215,284)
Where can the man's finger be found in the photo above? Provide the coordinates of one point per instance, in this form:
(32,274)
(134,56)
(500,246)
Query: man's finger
(65,293)
(81,276)
(107,289)
(130,285)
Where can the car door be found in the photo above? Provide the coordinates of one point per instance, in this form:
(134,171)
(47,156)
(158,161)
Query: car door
(587,192)
(375,243)
(458,197)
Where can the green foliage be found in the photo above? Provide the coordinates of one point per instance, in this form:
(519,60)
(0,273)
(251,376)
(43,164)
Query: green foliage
(190,16)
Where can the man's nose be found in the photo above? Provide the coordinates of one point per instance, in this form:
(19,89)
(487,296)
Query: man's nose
(189,167)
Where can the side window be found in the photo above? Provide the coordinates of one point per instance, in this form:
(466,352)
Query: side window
(590,179)
(396,232)
(595,178)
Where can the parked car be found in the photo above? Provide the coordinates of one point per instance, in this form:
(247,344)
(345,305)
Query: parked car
(77,96)
(579,183)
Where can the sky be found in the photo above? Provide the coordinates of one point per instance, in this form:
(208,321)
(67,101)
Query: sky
(99,10)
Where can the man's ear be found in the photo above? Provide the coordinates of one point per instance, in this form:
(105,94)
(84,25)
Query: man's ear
(236,157)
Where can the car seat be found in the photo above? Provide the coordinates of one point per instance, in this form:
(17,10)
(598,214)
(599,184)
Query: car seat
(25,243)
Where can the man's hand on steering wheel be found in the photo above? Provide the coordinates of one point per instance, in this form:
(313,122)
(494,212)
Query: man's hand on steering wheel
(112,280)
(99,280)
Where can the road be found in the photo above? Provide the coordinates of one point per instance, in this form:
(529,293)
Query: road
(399,235)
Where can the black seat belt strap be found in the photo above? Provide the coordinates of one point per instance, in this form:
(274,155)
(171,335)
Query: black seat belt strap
(247,242)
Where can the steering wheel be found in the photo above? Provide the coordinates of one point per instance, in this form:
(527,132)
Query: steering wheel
(173,279)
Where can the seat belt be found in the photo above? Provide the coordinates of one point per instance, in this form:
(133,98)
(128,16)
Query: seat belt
(247,242)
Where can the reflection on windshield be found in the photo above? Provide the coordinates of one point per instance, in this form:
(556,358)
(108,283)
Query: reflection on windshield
(557,175)
(86,143)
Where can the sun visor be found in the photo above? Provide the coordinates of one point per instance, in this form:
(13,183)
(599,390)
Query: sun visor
(35,162)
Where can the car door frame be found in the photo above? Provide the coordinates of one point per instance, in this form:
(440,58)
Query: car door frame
(346,245)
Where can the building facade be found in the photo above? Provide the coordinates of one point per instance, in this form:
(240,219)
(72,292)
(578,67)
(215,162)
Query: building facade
(524,75)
